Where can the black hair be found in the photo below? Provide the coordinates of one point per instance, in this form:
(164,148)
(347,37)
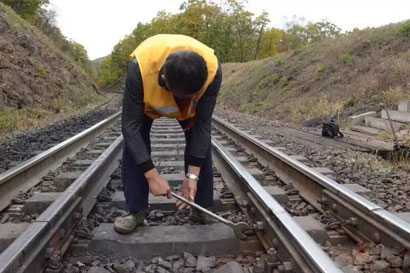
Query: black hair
(185,71)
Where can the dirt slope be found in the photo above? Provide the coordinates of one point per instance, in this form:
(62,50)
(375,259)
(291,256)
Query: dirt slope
(33,72)
(37,81)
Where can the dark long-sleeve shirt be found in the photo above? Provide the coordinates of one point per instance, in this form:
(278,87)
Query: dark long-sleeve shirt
(133,115)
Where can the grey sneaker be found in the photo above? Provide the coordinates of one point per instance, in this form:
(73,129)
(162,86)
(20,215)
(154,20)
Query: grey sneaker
(127,223)
(199,216)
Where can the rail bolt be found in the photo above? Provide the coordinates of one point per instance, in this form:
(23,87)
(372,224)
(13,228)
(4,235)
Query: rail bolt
(77,215)
(376,237)
(55,261)
(243,203)
(258,267)
(272,255)
(286,267)
(61,233)
(334,207)
(324,200)
(275,242)
(352,221)
(259,225)
(70,269)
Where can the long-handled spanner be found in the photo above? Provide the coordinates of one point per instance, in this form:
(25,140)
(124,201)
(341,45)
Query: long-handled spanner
(238,228)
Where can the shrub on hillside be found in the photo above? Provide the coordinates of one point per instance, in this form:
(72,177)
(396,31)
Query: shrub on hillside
(347,59)
(404,29)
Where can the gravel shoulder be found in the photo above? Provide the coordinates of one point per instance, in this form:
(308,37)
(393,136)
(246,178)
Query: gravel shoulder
(24,145)
(387,181)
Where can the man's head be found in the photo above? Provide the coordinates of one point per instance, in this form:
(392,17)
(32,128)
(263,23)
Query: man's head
(185,73)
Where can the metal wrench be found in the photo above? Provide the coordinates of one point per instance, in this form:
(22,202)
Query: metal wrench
(238,228)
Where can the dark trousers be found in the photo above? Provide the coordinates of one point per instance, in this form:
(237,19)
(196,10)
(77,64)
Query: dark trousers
(136,186)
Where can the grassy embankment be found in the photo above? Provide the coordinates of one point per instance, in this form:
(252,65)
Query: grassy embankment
(40,86)
(350,74)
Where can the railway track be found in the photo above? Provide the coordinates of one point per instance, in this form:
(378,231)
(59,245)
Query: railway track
(254,182)
(352,215)
(28,225)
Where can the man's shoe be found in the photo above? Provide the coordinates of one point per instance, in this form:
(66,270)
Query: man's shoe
(127,223)
(201,217)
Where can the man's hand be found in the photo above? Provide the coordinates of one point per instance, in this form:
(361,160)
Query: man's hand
(158,186)
(190,123)
(189,187)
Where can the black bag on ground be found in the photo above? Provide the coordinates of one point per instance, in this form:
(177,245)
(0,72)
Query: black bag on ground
(331,129)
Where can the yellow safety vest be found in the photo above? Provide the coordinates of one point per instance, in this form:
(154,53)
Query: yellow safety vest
(151,55)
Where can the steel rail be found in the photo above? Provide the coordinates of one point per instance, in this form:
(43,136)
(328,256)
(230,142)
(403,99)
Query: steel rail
(357,214)
(31,250)
(29,173)
(298,245)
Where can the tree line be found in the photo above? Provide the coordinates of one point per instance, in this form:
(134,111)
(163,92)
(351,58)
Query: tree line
(36,13)
(237,35)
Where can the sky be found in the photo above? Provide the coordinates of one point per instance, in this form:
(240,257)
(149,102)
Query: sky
(100,24)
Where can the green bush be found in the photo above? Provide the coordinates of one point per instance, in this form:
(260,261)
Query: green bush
(5,122)
(347,59)
(350,102)
(320,69)
(404,29)
(268,82)
(42,73)
(283,81)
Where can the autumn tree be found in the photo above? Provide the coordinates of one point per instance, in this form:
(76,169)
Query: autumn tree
(80,54)
(322,30)
(242,27)
(270,43)
(300,33)
(26,8)
(234,33)
(261,22)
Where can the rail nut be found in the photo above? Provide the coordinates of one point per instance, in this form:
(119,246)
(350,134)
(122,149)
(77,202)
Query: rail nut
(272,255)
(54,263)
(272,260)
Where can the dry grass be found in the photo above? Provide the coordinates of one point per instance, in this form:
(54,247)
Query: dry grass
(16,120)
(314,108)
(376,166)
(233,70)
